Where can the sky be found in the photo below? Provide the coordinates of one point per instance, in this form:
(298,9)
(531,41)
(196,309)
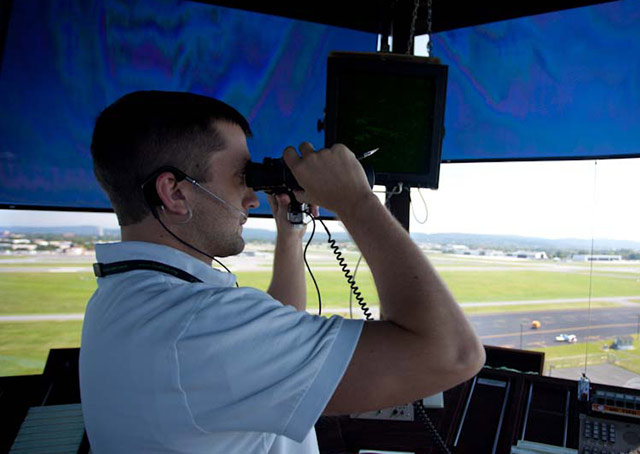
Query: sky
(558,199)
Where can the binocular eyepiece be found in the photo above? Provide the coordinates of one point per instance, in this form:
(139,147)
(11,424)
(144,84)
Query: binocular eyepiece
(274,177)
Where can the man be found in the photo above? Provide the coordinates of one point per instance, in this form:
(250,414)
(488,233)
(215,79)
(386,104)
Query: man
(176,359)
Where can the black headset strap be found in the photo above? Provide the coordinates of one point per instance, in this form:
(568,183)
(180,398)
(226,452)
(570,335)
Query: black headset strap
(107,269)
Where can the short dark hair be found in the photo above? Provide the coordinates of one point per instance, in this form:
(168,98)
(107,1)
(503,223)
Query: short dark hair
(145,130)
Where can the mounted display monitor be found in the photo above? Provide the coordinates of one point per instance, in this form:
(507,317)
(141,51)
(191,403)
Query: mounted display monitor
(561,85)
(393,103)
(66,60)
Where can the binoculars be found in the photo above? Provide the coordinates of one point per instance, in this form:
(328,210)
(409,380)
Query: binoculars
(274,177)
(271,176)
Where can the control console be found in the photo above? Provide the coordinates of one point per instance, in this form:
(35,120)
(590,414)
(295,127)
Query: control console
(607,436)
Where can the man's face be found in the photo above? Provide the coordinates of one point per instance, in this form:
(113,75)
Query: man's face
(218,226)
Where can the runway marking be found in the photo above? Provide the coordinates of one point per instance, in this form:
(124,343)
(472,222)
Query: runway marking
(613,299)
(561,330)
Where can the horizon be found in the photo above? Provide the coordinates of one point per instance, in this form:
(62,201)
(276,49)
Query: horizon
(540,199)
(340,231)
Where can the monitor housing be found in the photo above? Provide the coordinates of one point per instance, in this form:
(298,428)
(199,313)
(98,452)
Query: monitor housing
(394,103)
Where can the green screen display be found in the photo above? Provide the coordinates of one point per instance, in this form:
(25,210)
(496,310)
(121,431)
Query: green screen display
(391,112)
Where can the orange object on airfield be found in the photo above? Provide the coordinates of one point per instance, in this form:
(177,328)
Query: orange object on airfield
(535,324)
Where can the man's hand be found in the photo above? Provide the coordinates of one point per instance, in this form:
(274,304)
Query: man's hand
(288,283)
(332,177)
(279,204)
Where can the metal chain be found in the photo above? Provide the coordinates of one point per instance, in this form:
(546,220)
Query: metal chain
(412,31)
(429,17)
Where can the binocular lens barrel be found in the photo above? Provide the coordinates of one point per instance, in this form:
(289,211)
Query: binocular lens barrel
(274,177)
(271,176)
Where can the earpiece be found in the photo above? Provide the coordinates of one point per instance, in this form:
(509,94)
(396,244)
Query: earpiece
(186,221)
(153,199)
(149,188)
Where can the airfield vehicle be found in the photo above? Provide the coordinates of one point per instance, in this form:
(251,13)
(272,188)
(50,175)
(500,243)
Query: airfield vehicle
(570,338)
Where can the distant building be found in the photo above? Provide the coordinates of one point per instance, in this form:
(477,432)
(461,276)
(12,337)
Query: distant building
(596,258)
(493,253)
(531,255)
(61,244)
(75,250)
(482,252)
(455,248)
(21,247)
(430,246)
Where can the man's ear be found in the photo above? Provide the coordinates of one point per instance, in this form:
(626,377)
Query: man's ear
(171,195)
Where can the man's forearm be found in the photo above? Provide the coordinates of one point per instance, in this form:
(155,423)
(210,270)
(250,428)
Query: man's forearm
(288,281)
(411,293)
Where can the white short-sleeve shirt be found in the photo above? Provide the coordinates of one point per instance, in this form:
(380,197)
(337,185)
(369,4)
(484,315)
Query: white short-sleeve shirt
(168,366)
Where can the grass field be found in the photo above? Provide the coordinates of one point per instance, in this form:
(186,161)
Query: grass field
(45,293)
(534,285)
(573,355)
(24,346)
(57,293)
(26,289)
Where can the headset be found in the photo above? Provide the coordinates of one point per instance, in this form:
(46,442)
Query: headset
(153,199)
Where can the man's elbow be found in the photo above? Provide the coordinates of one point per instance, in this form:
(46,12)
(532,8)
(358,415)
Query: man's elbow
(460,360)
(469,360)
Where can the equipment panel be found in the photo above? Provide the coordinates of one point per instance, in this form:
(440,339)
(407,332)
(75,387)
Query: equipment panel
(603,435)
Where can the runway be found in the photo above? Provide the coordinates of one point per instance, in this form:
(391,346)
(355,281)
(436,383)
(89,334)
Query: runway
(506,329)
(510,329)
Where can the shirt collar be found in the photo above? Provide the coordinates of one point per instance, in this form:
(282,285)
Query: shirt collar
(140,250)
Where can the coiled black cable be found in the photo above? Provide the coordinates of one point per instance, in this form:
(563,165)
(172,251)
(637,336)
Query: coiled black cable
(345,270)
(355,273)
(418,406)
